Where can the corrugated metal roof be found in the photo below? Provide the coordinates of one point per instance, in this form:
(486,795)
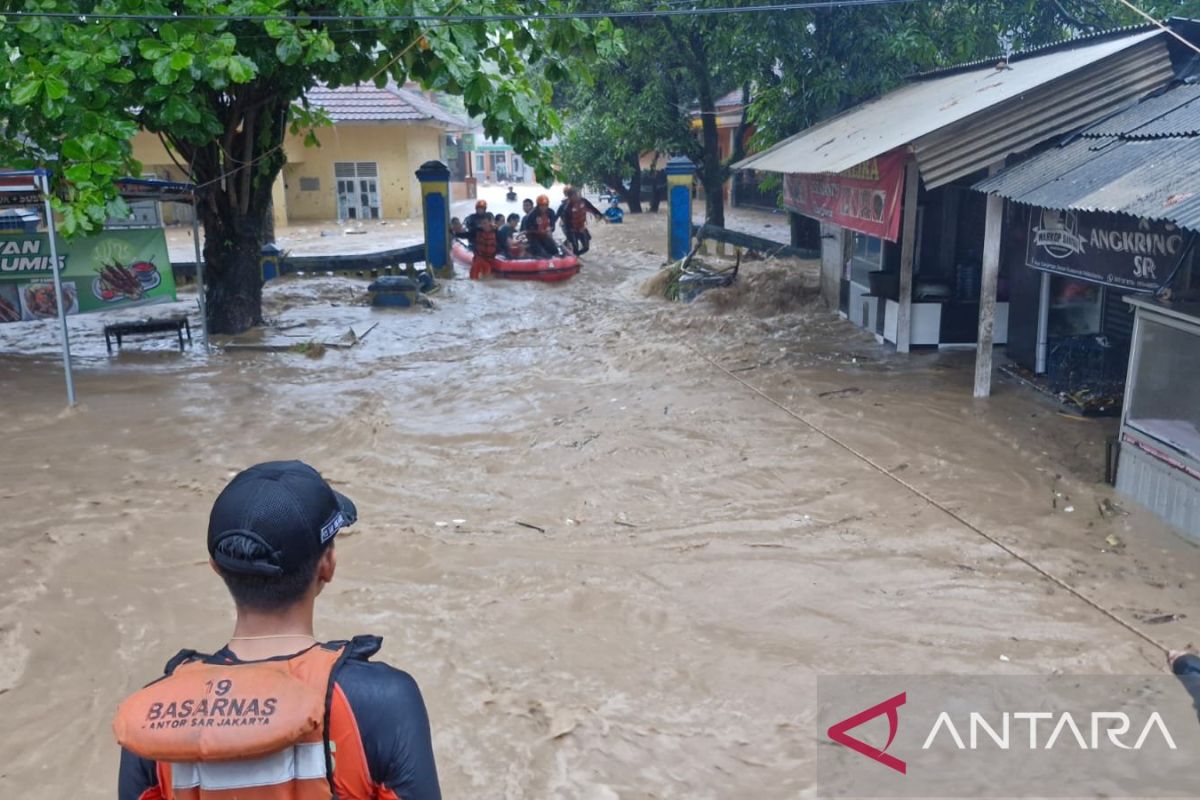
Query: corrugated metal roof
(1067,104)
(1173,113)
(1154,178)
(368,103)
(918,109)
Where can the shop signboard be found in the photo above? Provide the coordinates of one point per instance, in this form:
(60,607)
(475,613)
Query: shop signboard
(114,269)
(1110,249)
(865,198)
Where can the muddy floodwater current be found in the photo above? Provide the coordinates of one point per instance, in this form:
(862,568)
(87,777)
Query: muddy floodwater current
(614,570)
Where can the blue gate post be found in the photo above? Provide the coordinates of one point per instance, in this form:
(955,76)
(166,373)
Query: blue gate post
(680,174)
(434,177)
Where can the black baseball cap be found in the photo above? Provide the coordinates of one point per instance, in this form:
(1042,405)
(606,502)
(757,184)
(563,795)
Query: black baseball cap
(284,506)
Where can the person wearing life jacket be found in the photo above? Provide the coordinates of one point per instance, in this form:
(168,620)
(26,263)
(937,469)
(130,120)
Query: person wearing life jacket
(485,246)
(538,228)
(573,213)
(474,221)
(276,714)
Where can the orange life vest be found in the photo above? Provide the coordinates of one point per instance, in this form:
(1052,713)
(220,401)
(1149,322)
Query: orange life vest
(542,223)
(485,243)
(578,214)
(267,730)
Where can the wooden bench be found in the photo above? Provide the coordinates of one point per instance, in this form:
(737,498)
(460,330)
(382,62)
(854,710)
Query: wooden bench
(178,325)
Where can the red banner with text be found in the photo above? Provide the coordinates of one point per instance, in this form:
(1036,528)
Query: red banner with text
(865,198)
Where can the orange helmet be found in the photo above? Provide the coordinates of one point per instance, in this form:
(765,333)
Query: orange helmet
(542,200)
(480,204)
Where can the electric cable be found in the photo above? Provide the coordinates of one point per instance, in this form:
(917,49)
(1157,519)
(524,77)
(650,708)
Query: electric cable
(1045,573)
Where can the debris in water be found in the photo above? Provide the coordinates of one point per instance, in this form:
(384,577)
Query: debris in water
(1003,657)
(531,526)
(1113,541)
(1164,618)
(1109,509)
(312,349)
(442,524)
(1069,509)
(847,392)
(458,522)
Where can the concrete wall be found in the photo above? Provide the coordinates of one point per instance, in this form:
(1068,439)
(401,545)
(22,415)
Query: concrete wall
(834,247)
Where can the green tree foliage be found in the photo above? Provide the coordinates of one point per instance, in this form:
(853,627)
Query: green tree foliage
(803,65)
(223,87)
(632,107)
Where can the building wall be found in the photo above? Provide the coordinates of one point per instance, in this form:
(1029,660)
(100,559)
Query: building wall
(397,149)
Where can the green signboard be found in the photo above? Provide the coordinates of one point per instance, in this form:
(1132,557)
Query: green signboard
(113,269)
(468,142)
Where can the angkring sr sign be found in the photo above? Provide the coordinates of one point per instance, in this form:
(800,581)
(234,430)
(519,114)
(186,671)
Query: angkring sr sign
(1007,736)
(1111,249)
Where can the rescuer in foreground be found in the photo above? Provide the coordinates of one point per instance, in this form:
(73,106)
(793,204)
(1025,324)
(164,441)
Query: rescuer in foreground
(275,713)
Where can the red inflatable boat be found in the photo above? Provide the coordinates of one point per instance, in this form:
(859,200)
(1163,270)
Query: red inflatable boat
(559,268)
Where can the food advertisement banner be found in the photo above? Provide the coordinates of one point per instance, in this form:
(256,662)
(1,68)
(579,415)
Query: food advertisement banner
(865,198)
(113,269)
(1110,249)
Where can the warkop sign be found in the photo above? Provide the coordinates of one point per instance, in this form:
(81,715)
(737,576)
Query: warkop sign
(1110,249)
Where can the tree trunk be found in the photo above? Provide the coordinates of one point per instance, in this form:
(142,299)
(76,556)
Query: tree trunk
(712,171)
(658,191)
(635,188)
(233,266)
(631,196)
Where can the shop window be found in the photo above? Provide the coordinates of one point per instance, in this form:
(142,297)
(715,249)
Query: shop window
(1166,383)
(866,256)
(479,167)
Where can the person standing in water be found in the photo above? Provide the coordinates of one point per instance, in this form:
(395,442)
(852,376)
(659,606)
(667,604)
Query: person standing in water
(275,713)
(573,214)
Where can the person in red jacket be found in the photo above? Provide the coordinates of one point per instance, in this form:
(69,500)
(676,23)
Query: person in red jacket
(485,246)
(573,214)
(276,714)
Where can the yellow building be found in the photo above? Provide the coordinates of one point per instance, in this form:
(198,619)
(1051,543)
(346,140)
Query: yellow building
(364,168)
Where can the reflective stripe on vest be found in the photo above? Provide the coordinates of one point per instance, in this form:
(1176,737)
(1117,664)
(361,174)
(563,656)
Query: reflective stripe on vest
(298,763)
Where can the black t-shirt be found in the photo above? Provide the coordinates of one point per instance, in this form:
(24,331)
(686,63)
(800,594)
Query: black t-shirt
(392,723)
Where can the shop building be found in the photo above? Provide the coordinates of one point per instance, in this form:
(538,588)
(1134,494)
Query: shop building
(1101,234)
(909,250)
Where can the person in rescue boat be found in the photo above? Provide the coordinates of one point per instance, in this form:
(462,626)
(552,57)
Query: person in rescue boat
(485,247)
(506,235)
(473,222)
(538,228)
(573,212)
(285,715)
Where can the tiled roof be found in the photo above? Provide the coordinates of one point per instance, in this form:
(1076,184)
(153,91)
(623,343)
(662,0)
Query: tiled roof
(368,103)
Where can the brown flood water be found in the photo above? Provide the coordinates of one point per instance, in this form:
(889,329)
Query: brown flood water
(704,556)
